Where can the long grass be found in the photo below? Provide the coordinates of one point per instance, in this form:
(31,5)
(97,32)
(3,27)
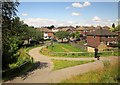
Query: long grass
(60,64)
(107,75)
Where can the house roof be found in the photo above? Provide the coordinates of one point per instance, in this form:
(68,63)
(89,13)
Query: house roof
(85,28)
(64,29)
(44,29)
(94,45)
(101,32)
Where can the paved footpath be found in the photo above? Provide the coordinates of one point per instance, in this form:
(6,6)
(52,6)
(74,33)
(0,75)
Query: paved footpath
(46,75)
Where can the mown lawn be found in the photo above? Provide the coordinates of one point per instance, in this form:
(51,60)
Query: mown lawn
(107,75)
(60,64)
(59,47)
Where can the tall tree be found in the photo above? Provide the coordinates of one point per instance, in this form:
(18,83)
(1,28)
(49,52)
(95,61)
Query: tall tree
(8,12)
(62,34)
(113,25)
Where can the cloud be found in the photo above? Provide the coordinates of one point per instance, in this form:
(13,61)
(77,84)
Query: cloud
(75,14)
(96,18)
(39,22)
(67,7)
(86,4)
(24,14)
(79,5)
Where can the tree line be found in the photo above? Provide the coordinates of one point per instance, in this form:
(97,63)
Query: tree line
(14,32)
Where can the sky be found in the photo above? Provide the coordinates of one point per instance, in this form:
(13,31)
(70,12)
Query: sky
(39,14)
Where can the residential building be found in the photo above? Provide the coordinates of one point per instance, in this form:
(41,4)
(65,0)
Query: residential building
(47,33)
(95,38)
(55,30)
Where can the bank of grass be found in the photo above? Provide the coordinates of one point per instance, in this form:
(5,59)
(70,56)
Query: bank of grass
(24,63)
(60,64)
(107,75)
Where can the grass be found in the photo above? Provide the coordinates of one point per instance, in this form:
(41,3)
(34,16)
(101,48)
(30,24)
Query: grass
(46,51)
(59,47)
(60,64)
(18,66)
(107,75)
(23,57)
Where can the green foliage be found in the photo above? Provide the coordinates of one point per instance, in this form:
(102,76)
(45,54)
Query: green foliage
(60,64)
(62,34)
(77,35)
(15,39)
(115,28)
(72,35)
(37,35)
(23,57)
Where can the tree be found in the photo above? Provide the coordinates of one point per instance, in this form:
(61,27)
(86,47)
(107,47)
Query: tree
(8,12)
(62,35)
(113,25)
(52,26)
(77,34)
(117,28)
(72,35)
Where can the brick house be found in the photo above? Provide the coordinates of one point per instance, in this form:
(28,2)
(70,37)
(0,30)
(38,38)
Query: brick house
(47,33)
(85,29)
(95,38)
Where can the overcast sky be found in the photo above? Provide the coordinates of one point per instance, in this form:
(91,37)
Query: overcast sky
(40,14)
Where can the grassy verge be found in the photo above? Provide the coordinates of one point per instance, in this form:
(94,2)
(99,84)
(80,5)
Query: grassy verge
(23,64)
(107,75)
(60,64)
(46,51)
(58,47)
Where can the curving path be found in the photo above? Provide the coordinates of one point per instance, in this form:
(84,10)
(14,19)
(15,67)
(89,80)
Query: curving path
(46,75)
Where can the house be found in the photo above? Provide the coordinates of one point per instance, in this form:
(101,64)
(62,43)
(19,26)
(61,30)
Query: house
(85,29)
(47,33)
(95,38)
(55,30)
